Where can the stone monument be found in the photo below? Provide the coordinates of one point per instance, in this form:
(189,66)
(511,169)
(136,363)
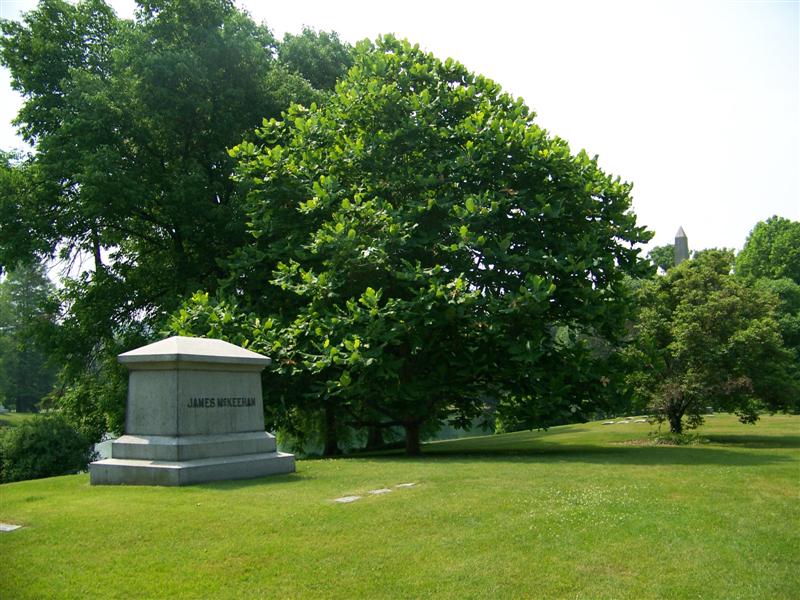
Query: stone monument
(194,414)
(681,248)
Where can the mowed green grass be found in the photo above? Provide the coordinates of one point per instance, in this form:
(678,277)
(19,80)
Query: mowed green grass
(10,419)
(567,513)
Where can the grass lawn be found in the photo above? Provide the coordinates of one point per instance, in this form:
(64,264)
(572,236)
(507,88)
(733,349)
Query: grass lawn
(569,513)
(10,419)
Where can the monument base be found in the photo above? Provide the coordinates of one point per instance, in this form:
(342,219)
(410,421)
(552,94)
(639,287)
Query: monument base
(116,471)
(191,447)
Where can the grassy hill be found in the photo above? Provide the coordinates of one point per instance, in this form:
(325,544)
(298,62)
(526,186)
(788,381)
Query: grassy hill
(10,419)
(575,512)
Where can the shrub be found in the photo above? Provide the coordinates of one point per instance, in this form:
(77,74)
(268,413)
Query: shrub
(43,446)
(677,439)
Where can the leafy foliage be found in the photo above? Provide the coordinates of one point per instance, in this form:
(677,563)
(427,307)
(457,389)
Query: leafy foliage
(772,251)
(26,221)
(663,257)
(787,310)
(706,338)
(131,121)
(44,446)
(320,57)
(417,243)
(677,439)
(25,375)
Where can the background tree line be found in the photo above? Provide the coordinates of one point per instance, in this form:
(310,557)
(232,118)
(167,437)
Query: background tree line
(408,245)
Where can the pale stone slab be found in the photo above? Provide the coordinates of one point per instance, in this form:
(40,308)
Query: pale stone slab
(380,491)
(347,499)
(154,447)
(405,485)
(189,349)
(116,471)
(6,527)
(187,402)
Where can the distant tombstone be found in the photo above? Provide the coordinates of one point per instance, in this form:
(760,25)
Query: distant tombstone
(194,414)
(681,248)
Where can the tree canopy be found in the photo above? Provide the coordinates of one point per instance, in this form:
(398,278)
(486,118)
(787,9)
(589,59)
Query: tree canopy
(130,183)
(25,375)
(705,338)
(417,242)
(772,250)
(663,257)
(319,56)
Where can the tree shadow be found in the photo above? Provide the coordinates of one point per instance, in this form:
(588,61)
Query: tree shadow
(542,452)
(551,431)
(235,484)
(601,455)
(756,441)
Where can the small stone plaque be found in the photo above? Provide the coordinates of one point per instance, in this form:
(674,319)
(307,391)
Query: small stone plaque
(347,499)
(4,527)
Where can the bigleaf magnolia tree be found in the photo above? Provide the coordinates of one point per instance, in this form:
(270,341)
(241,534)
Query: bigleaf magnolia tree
(417,243)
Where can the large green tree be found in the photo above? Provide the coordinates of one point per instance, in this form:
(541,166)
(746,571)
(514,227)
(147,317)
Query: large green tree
(788,309)
(771,260)
(320,57)
(772,250)
(707,338)
(25,375)
(130,181)
(418,241)
(663,257)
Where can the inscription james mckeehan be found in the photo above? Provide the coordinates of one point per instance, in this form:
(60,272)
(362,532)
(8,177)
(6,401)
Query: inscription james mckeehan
(233,402)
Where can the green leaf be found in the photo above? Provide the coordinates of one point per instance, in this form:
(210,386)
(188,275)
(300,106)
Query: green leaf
(345,379)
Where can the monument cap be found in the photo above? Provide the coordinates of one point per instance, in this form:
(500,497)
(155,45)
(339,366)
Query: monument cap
(193,350)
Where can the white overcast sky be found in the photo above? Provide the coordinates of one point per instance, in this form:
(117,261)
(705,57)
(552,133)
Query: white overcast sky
(696,103)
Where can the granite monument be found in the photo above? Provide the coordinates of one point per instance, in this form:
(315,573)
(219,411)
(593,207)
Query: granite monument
(194,414)
(681,248)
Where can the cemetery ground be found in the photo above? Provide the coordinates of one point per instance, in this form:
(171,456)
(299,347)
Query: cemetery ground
(577,511)
(12,419)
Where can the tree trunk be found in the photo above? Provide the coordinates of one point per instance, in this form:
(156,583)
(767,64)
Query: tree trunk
(374,437)
(331,443)
(675,423)
(99,268)
(412,439)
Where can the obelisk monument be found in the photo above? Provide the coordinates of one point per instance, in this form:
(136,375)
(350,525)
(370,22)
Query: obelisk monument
(681,248)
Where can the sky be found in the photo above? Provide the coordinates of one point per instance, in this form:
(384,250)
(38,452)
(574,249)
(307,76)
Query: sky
(697,103)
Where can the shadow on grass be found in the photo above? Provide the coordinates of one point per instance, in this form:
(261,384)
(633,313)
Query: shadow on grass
(552,431)
(236,484)
(617,455)
(756,441)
